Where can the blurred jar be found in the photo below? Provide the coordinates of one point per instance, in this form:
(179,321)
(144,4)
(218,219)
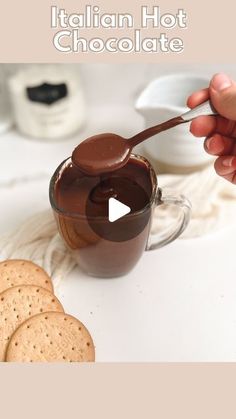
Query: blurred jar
(47,100)
(5,109)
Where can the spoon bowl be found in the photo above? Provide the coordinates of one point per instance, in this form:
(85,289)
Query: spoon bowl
(101,153)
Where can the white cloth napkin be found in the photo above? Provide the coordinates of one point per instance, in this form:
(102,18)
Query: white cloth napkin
(213,202)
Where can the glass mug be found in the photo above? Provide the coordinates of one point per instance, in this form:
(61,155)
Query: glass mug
(104,249)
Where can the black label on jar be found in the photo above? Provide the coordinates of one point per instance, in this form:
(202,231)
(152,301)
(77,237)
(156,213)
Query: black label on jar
(47,93)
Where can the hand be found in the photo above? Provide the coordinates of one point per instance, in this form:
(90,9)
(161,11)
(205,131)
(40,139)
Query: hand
(219,130)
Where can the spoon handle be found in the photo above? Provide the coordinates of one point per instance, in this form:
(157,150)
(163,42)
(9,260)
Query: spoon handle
(205,108)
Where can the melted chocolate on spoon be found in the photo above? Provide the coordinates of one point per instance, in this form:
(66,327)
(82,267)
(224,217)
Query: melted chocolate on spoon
(105,153)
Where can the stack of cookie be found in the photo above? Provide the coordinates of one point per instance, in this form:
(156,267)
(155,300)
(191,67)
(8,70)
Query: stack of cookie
(33,325)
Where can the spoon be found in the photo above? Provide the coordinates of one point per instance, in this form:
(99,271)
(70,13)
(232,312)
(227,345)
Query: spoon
(107,152)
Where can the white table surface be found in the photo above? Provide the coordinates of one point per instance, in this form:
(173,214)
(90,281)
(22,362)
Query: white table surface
(178,304)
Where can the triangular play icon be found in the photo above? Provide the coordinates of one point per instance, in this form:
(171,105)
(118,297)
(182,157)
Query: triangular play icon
(116,210)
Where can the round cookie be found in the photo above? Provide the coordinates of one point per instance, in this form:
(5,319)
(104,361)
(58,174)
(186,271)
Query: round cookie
(15,272)
(18,304)
(51,337)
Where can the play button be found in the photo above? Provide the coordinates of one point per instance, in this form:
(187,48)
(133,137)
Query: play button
(116,210)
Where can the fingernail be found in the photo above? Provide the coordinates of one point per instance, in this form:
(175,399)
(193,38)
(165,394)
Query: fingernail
(220,82)
(215,145)
(228,161)
(209,142)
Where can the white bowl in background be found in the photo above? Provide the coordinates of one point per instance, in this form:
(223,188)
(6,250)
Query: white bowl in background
(165,98)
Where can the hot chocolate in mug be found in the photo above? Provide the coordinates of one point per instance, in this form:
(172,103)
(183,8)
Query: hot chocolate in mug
(81,207)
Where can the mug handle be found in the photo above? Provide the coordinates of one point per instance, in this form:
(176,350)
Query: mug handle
(158,240)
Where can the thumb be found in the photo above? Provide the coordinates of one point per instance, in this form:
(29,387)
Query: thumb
(223,95)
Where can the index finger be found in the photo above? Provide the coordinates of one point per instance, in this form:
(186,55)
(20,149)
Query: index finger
(198,97)
(205,125)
